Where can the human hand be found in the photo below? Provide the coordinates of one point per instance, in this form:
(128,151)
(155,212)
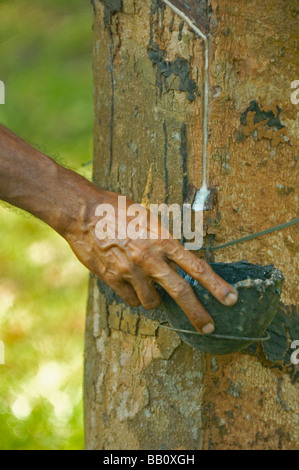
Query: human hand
(68,202)
(132,266)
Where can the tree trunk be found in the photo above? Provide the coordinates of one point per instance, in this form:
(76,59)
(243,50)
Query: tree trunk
(144,388)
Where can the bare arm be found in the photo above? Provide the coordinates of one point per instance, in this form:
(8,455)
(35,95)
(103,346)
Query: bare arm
(67,202)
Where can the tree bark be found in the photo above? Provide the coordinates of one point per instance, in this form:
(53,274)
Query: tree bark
(144,388)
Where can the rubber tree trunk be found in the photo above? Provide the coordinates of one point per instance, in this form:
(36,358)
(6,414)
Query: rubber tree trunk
(144,388)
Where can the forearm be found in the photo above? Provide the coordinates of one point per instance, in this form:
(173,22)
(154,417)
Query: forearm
(67,202)
(34,182)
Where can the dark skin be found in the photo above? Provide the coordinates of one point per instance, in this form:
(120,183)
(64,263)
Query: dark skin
(66,202)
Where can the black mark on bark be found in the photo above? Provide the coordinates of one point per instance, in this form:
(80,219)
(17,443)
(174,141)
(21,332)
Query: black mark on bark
(260,116)
(110,7)
(179,68)
(171,23)
(180,30)
(283,330)
(197,10)
(184,156)
(165,161)
(111,70)
(164,68)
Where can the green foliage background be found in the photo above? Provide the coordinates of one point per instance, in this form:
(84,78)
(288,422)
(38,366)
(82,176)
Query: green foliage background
(46,65)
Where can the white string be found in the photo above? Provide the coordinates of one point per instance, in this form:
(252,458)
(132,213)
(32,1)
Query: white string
(201,195)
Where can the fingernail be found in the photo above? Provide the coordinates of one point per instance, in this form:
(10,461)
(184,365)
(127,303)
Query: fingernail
(231,299)
(208,328)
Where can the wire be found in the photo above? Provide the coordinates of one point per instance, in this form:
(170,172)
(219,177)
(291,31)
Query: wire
(213,335)
(250,237)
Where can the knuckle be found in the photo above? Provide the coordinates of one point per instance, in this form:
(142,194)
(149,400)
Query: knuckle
(173,248)
(165,244)
(182,289)
(196,319)
(200,266)
(124,270)
(139,255)
(110,279)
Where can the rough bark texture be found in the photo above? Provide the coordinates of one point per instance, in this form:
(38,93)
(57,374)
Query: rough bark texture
(144,388)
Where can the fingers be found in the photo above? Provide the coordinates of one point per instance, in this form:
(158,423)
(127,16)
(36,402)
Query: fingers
(138,290)
(184,296)
(204,274)
(173,266)
(147,294)
(125,291)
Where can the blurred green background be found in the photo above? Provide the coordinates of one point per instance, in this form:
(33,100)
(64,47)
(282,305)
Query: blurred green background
(46,65)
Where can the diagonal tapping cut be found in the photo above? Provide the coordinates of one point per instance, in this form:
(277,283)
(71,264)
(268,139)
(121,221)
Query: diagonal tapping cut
(203,193)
